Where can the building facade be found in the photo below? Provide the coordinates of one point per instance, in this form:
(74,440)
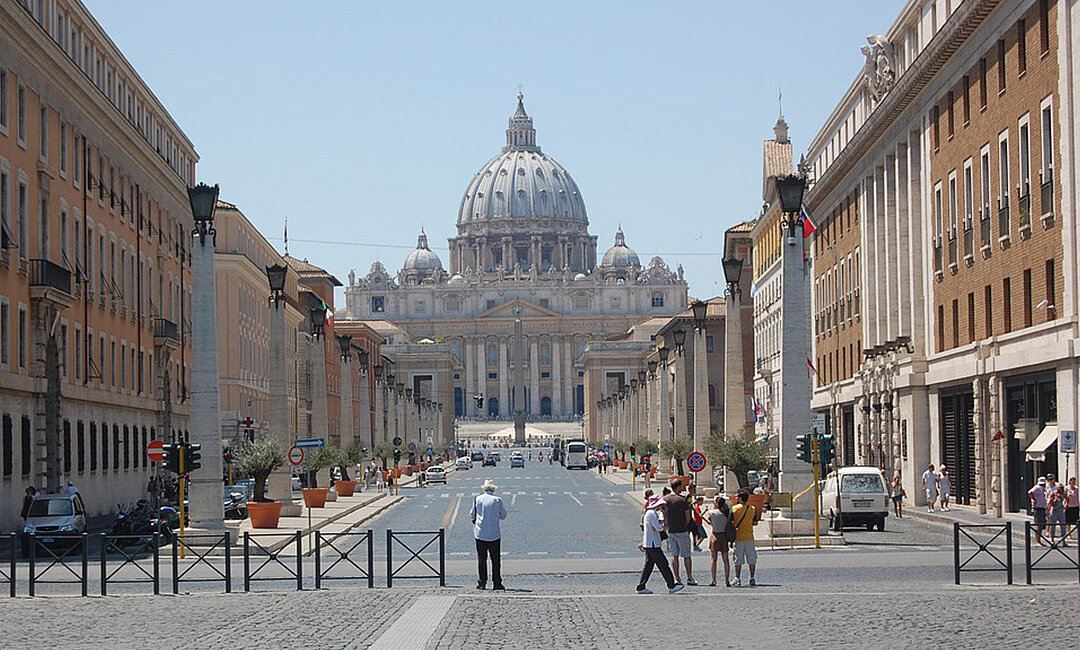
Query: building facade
(95,270)
(948,166)
(523,243)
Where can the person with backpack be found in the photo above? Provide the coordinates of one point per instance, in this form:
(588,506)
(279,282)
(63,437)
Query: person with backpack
(720,525)
(744,517)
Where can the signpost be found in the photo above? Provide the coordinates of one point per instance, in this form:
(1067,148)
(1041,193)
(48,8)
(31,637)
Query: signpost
(301,445)
(1067,445)
(155,451)
(296,455)
(695,462)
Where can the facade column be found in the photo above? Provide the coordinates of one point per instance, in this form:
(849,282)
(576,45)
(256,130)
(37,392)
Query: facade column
(279,484)
(556,377)
(319,417)
(702,417)
(504,372)
(206,494)
(347,432)
(362,411)
(734,385)
(664,416)
(797,390)
(569,376)
(534,376)
(680,428)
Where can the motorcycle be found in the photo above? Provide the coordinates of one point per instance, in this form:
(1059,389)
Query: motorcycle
(236,506)
(136,524)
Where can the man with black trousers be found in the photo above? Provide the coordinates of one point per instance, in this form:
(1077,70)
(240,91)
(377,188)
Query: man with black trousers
(654,554)
(487,511)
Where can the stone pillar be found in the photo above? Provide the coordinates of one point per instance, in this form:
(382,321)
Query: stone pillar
(206,492)
(347,431)
(471,376)
(680,428)
(796,390)
(534,376)
(701,389)
(320,421)
(569,375)
(362,414)
(556,377)
(978,412)
(279,484)
(481,374)
(504,387)
(664,416)
(734,384)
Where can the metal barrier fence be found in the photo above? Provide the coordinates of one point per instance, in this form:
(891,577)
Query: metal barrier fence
(9,574)
(222,540)
(273,557)
(66,545)
(391,572)
(1055,547)
(343,556)
(142,543)
(983,549)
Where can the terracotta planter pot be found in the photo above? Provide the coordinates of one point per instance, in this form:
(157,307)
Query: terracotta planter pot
(686,479)
(264,515)
(652,473)
(345,488)
(315,497)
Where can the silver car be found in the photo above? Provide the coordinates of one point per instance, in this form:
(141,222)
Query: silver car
(56,520)
(435,474)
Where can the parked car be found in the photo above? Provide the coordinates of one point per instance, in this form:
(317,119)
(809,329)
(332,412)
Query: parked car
(491,460)
(463,463)
(57,520)
(855,496)
(435,474)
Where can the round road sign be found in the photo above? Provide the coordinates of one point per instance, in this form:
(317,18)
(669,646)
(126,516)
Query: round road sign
(397,441)
(296,455)
(156,451)
(695,461)
(412,446)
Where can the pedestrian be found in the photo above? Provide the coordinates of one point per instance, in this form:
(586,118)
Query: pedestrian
(678,518)
(929,481)
(648,467)
(654,554)
(648,495)
(1072,506)
(898,495)
(698,518)
(1055,507)
(944,486)
(718,517)
(487,511)
(745,516)
(71,490)
(380,480)
(28,500)
(1037,495)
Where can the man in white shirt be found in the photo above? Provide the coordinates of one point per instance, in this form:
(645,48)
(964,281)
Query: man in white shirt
(487,511)
(930,483)
(654,554)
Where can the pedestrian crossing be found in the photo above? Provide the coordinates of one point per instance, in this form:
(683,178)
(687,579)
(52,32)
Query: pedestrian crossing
(607,498)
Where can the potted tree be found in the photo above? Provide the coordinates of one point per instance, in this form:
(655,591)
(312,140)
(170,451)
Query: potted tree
(620,448)
(352,455)
(321,458)
(258,460)
(677,449)
(383,452)
(646,447)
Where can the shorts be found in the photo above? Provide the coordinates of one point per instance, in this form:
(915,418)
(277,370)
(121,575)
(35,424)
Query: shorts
(931,496)
(1039,515)
(679,544)
(898,498)
(1072,515)
(718,543)
(945,494)
(745,552)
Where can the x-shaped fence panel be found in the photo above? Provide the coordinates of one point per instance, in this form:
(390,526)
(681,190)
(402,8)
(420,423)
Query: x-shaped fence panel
(415,554)
(1055,550)
(9,573)
(190,545)
(57,560)
(271,557)
(342,548)
(983,549)
(131,549)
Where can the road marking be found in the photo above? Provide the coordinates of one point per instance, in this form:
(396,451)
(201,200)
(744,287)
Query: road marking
(537,553)
(513,499)
(614,552)
(457,507)
(575,552)
(552,492)
(458,553)
(444,495)
(446,516)
(575,499)
(416,625)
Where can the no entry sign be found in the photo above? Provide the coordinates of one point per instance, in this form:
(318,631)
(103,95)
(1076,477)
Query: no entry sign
(296,455)
(696,461)
(155,451)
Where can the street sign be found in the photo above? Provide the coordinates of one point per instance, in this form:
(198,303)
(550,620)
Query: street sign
(695,461)
(1067,444)
(817,423)
(430,450)
(306,443)
(397,441)
(412,446)
(296,455)
(155,451)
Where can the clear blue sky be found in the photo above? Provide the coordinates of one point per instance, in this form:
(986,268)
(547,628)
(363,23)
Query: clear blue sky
(363,121)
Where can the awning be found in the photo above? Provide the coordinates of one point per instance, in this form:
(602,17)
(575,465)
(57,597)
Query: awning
(1036,451)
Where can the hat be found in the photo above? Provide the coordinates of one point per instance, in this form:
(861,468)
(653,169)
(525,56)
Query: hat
(654,502)
(1042,480)
(489,485)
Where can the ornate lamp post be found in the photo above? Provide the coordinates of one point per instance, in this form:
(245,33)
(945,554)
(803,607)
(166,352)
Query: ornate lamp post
(317,351)
(346,430)
(279,484)
(702,411)
(666,432)
(681,428)
(735,403)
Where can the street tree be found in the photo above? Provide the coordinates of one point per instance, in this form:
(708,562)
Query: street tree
(620,448)
(646,447)
(740,453)
(352,454)
(322,458)
(383,451)
(258,460)
(677,449)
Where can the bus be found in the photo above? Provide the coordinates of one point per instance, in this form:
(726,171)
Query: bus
(576,455)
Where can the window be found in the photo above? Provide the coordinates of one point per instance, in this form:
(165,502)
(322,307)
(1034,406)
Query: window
(969,195)
(1003,172)
(27,445)
(23,342)
(709,344)
(93,447)
(104,446)
(955,323)
(967,100)
(8,444)
(940,328)
(78,353)
(43,133)
(982,83)
(988,310)
(1027,298)
(1046,168)
(1051,305)
(5,211)
(63,148)
(938,209)
(80,447)
(545,303)
(1001,66)
(24,226)
(378,304)
(951,101)
(1006,303)
(1044,25)
(1021,46)
(43,213)
(22,115)
(971,316)
(984,188)
(658,299)
(1025,158)
(5,334)
(3,100)
(490,304)
(935,115)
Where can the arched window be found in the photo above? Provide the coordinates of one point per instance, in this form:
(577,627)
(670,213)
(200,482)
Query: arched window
(545,405)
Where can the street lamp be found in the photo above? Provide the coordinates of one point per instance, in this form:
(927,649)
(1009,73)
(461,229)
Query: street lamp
(680,340)
(276,276)
(733,273)
(203,199)
(652,367)
(790,189)
(641,376)
(699,309)
(346,347)
(364,356)
(378,371)
(663,352)
(317,315)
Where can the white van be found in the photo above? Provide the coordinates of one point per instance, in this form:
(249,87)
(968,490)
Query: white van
(855,496)
(576,455)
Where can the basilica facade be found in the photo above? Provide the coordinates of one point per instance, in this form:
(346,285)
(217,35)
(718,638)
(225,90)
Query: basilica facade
(523,251)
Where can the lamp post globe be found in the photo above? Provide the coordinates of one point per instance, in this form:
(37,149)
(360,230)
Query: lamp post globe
(680,339)
(699,308)
(790,190)
(203,199)
(346,347)
(275,274)
(663,352)
(733,273)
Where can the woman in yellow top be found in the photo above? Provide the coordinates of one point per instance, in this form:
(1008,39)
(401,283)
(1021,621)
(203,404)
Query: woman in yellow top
(744,516)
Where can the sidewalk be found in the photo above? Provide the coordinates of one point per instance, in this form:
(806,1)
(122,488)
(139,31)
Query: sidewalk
(969,515)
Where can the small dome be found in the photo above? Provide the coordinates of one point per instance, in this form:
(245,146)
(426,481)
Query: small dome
(580,277)
(620,255)
(423,258)
(457,279)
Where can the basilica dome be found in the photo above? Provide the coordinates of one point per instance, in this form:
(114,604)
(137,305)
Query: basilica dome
(620,255)
(521,182)
(423,258)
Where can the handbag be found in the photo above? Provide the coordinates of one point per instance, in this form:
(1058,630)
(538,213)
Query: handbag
(731,530)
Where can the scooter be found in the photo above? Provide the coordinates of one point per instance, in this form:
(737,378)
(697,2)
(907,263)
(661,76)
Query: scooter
(236,506)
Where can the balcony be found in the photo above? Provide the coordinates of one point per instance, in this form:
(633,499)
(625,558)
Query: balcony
(51,283)
(969,242)
(1024,215)
(166,334)
(1003,221)
(1046,201)
(984,232)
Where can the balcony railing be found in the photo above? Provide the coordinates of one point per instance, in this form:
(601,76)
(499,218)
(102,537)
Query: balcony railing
(166,329)
(1003,217)
(44,273)
(1025,211)
(1046,196)
(937,257)
(984,229)
(969,239)
(952,250)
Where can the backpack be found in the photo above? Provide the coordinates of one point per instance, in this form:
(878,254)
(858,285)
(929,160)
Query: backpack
(731,531)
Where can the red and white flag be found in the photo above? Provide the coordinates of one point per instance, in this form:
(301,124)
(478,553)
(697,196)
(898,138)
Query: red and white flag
(811,371)
(808,227)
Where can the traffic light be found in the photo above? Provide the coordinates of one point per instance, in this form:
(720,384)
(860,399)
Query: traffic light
(227,456)
(826,450)
(172,458)
(192,458)
(803,445)
(633,452)
(249,433)
(397,455)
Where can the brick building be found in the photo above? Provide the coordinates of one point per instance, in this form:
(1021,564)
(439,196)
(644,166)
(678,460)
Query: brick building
(944,293)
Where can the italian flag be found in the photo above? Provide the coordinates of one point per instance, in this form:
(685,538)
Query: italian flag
(329,314)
